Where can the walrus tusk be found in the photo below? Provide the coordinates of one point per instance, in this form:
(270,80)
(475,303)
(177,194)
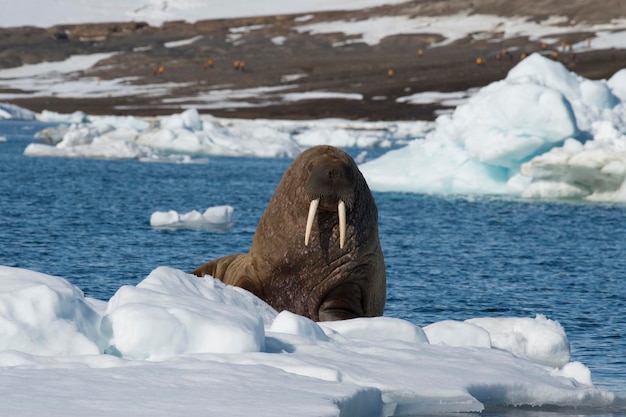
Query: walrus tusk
(309,220)
(341,210)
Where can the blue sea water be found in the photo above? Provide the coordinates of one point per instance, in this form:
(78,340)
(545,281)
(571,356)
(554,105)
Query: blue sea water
(446,257)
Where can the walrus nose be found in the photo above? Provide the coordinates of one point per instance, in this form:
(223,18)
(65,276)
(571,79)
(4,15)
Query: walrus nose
(331,180)
(334,174)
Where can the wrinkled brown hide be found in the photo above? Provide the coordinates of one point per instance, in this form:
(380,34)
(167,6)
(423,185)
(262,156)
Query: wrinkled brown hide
(320,280)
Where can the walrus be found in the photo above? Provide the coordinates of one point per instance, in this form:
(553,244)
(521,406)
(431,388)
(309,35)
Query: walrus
(327,265)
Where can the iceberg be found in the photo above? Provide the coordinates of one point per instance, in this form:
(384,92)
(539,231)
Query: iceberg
(543,132)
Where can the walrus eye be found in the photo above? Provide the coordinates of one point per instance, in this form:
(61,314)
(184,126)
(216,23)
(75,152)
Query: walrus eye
(341,211)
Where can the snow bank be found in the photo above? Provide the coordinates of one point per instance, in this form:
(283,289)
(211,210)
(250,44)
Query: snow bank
(213,218)
(541,132)
(187,344)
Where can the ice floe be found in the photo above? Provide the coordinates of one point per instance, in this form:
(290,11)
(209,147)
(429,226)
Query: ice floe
(174,333)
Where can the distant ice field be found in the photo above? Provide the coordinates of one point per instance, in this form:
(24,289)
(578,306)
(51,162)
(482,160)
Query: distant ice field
(542,132)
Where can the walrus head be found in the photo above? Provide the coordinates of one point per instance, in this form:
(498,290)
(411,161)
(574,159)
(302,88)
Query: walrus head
(330,187)
(336,270)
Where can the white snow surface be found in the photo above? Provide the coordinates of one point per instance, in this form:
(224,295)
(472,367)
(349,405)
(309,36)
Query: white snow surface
(46,13)
(541,132)
(176,344)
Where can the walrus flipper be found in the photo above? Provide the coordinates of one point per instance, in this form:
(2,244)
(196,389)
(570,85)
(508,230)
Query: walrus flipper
(231,270)
(216,268)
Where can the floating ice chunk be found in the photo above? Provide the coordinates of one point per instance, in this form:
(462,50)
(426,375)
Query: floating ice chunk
(540,340)
(213,218)
(45,315)
(457,333)
(219,214)
(172,313)
(164,218)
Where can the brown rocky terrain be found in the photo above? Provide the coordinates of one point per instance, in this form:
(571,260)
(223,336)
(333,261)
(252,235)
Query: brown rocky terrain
(207,64)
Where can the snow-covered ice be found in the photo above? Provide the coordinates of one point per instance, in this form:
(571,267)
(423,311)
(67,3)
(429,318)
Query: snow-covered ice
(175,343)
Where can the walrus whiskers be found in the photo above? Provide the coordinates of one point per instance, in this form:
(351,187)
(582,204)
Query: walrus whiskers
(309,221)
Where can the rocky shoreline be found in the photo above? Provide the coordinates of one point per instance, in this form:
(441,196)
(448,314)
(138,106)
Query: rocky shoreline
(276,56)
